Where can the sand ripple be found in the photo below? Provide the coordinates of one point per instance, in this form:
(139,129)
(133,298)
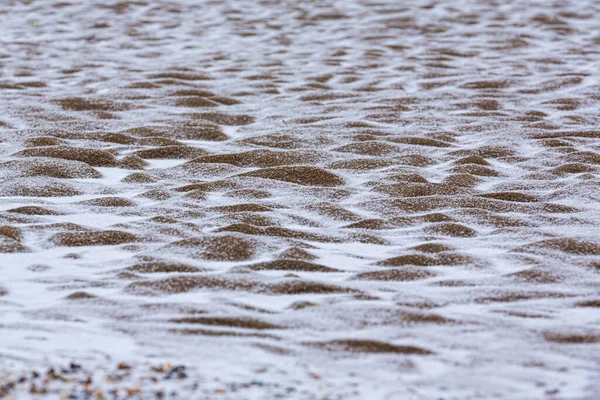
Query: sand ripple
(380,199)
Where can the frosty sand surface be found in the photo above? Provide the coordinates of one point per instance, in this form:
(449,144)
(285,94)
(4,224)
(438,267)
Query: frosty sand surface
(349,199)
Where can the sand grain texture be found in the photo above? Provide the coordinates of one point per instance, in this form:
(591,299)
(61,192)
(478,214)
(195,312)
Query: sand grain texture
(304,200)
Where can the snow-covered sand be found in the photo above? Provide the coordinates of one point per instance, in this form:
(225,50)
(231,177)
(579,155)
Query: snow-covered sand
(305,200)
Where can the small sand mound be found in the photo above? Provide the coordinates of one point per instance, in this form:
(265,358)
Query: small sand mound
(93,157)
(394,275)
(369,346)
(486,105)
(361,164)
(11,232)
(148,131)
(409,259)
(261,158)
(436,217)
(535,275)
(216,248)
(574,168)
(513,296)
(199,130)
(572,338)
(372,223)
(156,194)
(192,92)
(423,318)
(43,141)
(432,248)
(473,160)
(171,152)
(491,151)
(226,101)
(182,284)
(333,211)
(9,245)
(389,223)
(463,180)
(242,208)
(228,322)
(183,76)
(290,265)
(37,187)
(572,246)
(427,261)
(111,137)
(81,296)
(138,177)
(588,303)
(413,178)
(158,141)
(450,229)
(277,141)
(208,186)
(99,238)
(33,210)
(81,104)
(419,141)
(225,119)
(109,202)
(162,267)
(415,160)
(511,196)
(248,194)
(473,169)
(362,237)
(195,102)
(222,333)
(277,232)
(555,143)
(132,162)
(486,85)
(298,254)
(369,148)
(585,157)
(51,167)
(59,226)
(305,287)
(308,176)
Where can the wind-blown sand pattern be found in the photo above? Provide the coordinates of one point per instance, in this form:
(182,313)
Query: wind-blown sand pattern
(307,200)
